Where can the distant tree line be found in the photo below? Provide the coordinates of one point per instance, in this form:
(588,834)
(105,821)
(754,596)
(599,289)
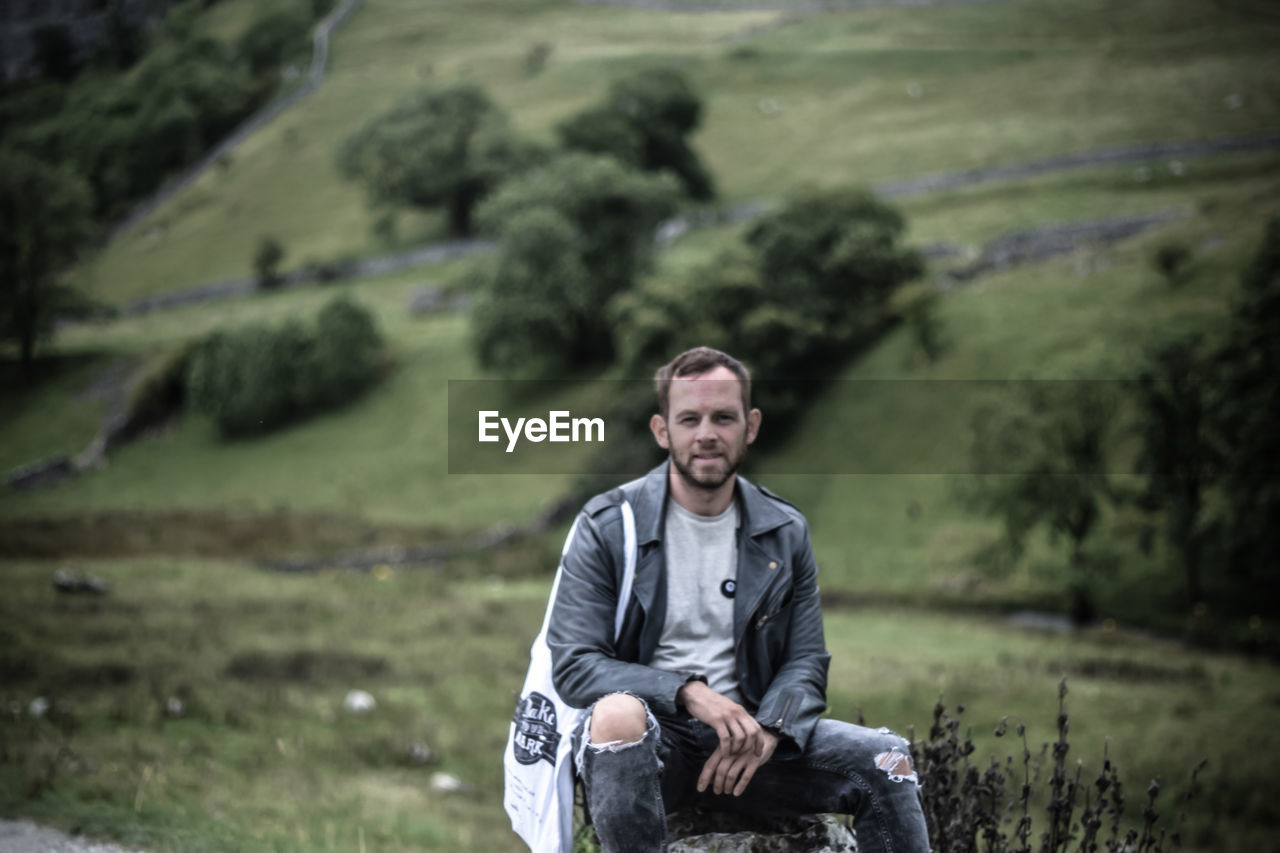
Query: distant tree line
(80,148)
(1204,417)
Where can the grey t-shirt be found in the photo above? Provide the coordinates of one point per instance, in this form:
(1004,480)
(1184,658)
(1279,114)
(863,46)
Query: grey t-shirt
(702,571)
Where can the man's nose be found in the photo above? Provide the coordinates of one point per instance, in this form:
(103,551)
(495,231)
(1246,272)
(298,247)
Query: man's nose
(706,431)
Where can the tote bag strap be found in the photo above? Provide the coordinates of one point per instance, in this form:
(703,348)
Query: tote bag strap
(628,566)
(628,570)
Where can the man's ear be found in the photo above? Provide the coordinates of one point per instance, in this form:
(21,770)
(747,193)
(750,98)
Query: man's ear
(753,424)
(658,426)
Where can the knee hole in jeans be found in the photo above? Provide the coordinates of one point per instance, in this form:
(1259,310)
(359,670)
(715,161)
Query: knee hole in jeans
(618,718)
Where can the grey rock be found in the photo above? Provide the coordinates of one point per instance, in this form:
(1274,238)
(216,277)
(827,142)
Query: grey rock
(359,702)
(21,836)
(37,475)
(707,832)
(433,299)
(65,580)
(418,753)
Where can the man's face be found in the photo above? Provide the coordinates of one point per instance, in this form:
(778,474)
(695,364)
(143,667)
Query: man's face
(706,430)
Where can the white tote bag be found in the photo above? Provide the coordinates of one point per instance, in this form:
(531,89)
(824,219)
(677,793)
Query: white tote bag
(537,764)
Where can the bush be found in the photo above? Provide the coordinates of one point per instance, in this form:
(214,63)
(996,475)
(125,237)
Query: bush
(275,36)
(968,809)
(257,378)
(1172,260)
(345,355)
(266,261)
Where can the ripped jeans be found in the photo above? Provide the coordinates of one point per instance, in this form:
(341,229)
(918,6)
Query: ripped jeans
(845,769)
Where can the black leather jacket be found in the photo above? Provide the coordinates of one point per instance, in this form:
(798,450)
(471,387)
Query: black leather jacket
(781,655)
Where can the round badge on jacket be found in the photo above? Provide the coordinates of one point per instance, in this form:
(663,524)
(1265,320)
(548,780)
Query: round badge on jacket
(728,588)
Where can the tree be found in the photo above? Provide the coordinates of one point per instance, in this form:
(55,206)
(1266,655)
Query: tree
(46,211)
(803,288)
(1172,260)
(1250,409)
(56,52)
(275,35)
(533,297)
(1041,461)
(1181,454)
(443,145)
(645,121)
(266,261)
(598,219)
(835,256)
(125,133)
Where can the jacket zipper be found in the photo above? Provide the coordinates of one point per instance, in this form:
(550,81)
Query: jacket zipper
(785,709)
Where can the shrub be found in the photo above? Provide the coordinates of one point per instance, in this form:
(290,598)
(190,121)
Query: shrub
(266,261)
(273,38)
(256,378)
(242,379)
(535,58)
(995,809)
(1172,260)
(345,355)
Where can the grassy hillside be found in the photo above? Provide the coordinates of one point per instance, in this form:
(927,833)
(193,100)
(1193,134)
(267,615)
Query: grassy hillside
(1091,314)
(860,96)
(263,756)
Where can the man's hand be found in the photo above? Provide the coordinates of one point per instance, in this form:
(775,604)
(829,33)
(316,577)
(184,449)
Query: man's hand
(744,744)
(732,773)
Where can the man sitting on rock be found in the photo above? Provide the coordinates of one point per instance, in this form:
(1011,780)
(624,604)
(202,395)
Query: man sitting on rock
(712,693)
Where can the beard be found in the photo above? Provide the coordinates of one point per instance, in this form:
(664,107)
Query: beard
(709,477)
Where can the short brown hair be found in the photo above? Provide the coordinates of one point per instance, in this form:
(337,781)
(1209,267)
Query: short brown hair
(696,362)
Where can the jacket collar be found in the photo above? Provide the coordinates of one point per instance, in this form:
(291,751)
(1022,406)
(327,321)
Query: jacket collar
(759,514)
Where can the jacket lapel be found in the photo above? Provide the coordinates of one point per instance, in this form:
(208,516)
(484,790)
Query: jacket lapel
(758,568)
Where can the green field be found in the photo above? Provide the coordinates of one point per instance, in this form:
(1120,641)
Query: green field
(264,757)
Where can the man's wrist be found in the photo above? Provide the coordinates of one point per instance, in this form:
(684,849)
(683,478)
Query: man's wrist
(688,688)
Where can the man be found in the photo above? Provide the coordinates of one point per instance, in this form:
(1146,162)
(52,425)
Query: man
(712,693)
